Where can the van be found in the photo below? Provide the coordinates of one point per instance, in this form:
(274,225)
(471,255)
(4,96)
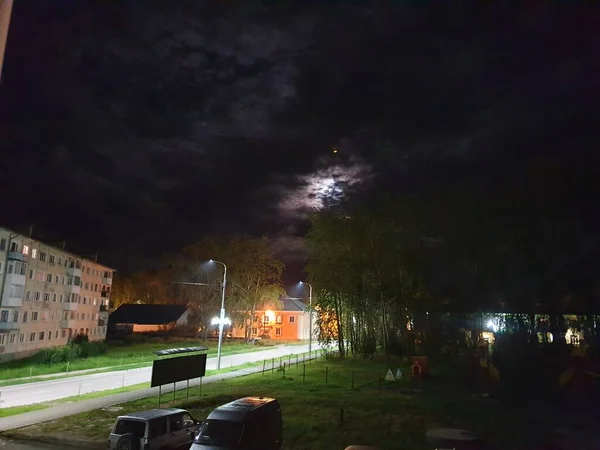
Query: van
(154,429)
(249,423)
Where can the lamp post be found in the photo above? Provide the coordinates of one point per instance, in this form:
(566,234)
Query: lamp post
(310,314)
(222,315)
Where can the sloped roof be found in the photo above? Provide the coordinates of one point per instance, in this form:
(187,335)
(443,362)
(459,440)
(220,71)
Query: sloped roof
(291,305)
(133,313)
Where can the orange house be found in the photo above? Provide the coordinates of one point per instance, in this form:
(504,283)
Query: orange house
(290,322)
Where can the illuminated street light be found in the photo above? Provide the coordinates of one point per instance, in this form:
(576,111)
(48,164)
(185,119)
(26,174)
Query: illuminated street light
(222,315)
(217,321)
(310,314)
(492,325)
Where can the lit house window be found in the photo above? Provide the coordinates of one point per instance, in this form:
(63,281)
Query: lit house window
(34,253)
(26,250)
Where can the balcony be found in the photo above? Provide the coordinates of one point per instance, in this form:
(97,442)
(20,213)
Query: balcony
(12,302)
(103,308)
(105,294)
(17,256)
(101,322)
(15,278)
(67,323)
(72,289)
(70,306)
(9,326)
(107,281)
(74,271)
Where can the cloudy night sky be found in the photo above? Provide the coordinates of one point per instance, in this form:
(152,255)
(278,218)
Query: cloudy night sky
(130,128)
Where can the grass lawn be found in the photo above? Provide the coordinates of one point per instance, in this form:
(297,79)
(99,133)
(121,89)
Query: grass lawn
(397,415)
(132,355)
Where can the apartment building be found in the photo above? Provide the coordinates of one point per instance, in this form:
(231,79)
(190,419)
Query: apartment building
(5,13)
(48,296)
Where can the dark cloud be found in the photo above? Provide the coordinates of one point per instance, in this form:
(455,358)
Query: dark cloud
(139,125)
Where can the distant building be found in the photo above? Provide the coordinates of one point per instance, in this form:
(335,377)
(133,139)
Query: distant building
(48,296)
(5,13)
(288,322)
(140,318)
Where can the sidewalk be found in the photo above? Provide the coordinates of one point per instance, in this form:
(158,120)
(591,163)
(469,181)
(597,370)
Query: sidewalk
(69,409)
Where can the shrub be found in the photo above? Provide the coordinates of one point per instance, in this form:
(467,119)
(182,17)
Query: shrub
(80,339)
(92,348)
(60,354)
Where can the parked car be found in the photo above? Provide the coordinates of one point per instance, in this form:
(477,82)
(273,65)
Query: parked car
(249,423)
(154,429)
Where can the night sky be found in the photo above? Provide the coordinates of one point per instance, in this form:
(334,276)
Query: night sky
(130,128)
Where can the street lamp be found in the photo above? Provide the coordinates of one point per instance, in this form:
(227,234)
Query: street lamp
(222,315)
(309,316)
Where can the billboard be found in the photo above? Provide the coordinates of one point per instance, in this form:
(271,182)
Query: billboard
(172,370)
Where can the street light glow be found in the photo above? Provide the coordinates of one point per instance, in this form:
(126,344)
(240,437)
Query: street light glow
(217,321)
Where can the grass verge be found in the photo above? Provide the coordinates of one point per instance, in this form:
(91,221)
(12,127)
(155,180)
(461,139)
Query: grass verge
(118,357)
(14,382)
(333,404)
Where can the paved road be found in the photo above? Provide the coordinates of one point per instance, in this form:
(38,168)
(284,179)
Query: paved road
(45,391)
(24,445)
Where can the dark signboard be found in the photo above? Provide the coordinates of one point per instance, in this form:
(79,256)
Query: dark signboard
(172,370)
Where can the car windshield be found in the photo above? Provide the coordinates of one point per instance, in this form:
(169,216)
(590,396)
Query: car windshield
(219,433)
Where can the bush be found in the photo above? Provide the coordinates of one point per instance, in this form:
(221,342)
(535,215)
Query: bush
(92,348)
(60,354)
(79,339)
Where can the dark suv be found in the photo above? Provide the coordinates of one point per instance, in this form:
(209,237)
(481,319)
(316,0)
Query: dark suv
(250,423)
(154,429)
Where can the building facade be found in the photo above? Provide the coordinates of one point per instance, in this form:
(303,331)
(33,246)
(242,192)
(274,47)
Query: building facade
(288,322)
(48,296)
(5,13)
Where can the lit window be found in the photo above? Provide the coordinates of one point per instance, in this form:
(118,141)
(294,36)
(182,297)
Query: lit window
(34,253)
(26,250)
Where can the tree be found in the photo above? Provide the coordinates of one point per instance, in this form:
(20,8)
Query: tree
(253,275)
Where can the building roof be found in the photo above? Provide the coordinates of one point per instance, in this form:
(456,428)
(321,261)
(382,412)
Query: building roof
(133,313)
(289,305)
(293,304)
(59,249)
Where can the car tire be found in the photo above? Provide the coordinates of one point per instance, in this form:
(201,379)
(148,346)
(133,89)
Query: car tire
(128,442)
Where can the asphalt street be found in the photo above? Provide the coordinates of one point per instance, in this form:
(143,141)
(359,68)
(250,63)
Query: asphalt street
(45,391)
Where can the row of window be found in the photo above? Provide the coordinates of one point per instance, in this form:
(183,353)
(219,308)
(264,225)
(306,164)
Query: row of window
(278,319)
(68,298)
(47,335)
(53,259)
(20,268)
(45,316)
(278,331)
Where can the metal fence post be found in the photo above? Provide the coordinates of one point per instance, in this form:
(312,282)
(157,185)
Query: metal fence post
(264,362)
(303,372)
